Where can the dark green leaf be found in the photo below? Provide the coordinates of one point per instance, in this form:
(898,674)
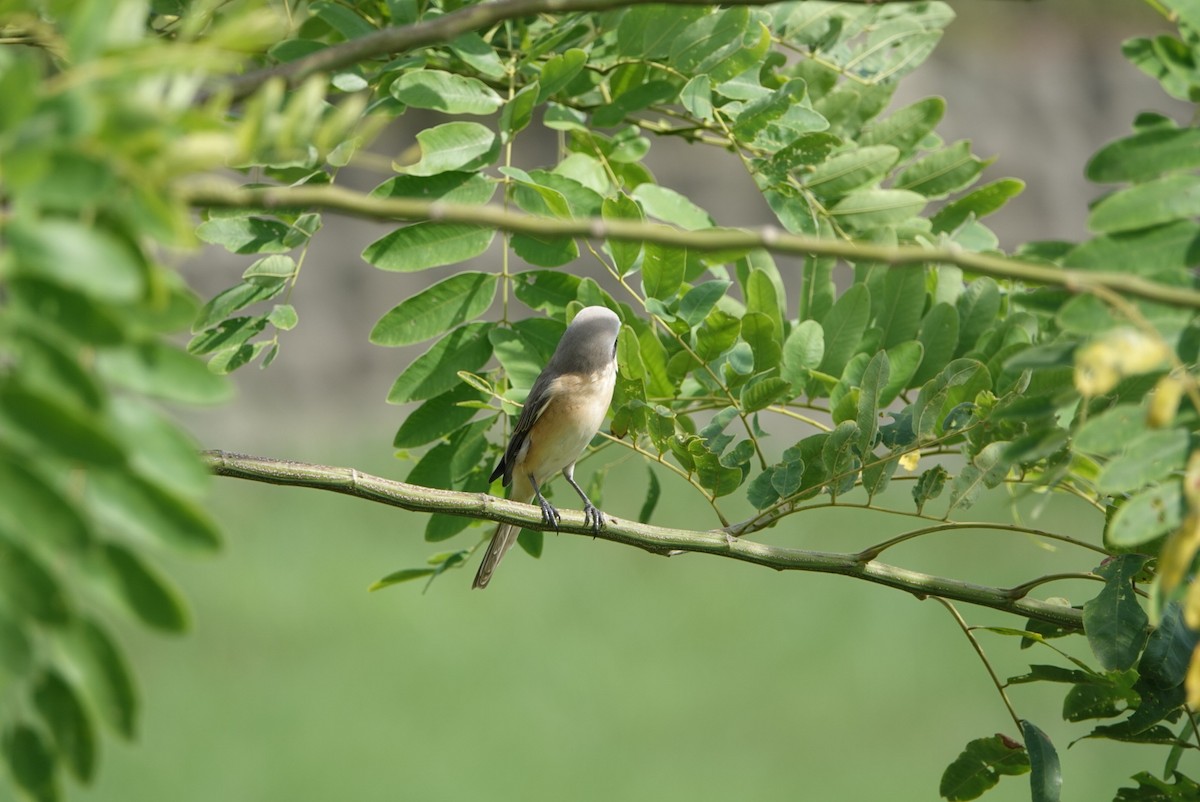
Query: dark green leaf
(843,328)
(437,417)
(699,301)
(874,378)
(144,590)
(436,371)
(980,765)
(1045,777)
(104,674)
(68,722)
(31,761)
(929,486)
(28,584)
(653,492)
(978,203)
(1114,622)
(546,290)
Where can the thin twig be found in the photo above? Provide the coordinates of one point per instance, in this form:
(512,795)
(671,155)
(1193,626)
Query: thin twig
(982,656)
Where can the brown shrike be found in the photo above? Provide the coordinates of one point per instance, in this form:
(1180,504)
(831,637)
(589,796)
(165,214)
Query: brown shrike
(562,414)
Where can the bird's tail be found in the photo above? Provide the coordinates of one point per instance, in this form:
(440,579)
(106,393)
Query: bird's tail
(506,535)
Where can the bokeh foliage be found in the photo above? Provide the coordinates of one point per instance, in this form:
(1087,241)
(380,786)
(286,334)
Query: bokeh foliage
(793,385)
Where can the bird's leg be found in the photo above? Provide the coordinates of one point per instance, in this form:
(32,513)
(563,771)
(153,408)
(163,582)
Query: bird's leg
(550,516)
(590,511)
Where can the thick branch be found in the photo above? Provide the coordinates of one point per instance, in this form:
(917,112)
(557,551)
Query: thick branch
(216,193)
(389,41)
(655,539)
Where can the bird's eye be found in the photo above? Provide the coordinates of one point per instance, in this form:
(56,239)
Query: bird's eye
(614,353)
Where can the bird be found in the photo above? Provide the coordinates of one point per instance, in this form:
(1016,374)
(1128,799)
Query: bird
(562,413)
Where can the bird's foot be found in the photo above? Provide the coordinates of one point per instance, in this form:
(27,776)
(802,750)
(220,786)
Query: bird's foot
(592,515)
(550,516)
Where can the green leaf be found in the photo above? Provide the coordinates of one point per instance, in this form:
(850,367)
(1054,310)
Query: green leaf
(803,350)
(403,575)
(942,172)
(958,383)
(624,252)
(757,115)
(462,146)
(985,470)
(663,270)
(839,459)
(546,290)
(696,97)
(851,170)
(716,334)
(701,46)
(63,428)
(250,234)
(1164,200)
(558,71)
(104,675)
(436,371)
(133,504)
(762,296)
(872,208)
(1147,458)
(163,371)
(978,308)
(905,128)
(68,722)
(843,327)
(445,92)
(1146,155)
(939,337)
(1148,252)
(470,47)
(452,187)
(1145,516)
(762,335)
(29,496)
(653,492)
(437,417)
(545,251)
(31,762)
(699,301)
(904,303)
(144,590)
(1045,778)
(423,245)
(929,486)
(980,765)
(1169,650)
(646,31)
(670,206)
(978,203)
(164,450)
(239,296)
(458,299)
(28,585)
(874,378)
(903,359)
(1114,622)
(761,394)
(87,258)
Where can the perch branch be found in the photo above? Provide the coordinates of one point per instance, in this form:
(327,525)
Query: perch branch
(218,193)
(655,539)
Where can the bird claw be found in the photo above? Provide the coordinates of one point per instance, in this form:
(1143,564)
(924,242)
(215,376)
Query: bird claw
(592,515)
(550,516)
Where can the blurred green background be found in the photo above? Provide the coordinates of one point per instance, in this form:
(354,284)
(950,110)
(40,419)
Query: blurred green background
(601,672)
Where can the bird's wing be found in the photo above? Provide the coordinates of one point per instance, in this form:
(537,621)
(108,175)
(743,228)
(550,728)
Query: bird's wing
(536,402)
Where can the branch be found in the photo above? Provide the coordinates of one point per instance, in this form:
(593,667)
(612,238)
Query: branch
(655,539)
(216,193)
(390,41)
